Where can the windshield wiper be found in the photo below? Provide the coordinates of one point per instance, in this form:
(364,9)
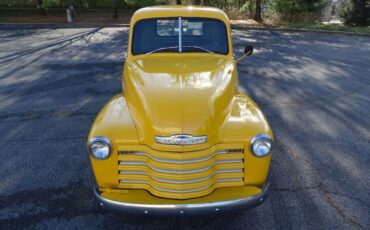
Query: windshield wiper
(162,49)
(199,48)
(176,47)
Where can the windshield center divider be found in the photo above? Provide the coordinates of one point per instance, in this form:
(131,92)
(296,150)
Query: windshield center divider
(180,35)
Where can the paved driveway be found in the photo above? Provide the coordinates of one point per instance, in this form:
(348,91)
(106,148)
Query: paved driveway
(313,88)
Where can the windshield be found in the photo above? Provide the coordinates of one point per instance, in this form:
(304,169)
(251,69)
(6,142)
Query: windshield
(179,35)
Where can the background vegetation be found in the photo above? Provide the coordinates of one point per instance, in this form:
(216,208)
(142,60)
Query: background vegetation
(353,12)
(356,12)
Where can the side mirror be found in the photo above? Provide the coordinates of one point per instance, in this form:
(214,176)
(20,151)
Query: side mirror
(248,50)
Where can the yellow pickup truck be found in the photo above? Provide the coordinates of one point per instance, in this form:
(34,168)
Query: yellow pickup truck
(180,138)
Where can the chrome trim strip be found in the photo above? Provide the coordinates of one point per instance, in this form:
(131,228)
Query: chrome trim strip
(123,172)
(180,171)
(181,191)
(141,153)
(185,209)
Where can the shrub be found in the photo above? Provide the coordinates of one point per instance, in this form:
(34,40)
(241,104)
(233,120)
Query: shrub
(356,12)
(298,10)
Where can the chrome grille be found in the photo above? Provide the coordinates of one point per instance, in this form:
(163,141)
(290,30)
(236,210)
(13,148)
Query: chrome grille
(180,175)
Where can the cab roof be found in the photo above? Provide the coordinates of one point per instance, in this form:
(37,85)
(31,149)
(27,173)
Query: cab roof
(178,11)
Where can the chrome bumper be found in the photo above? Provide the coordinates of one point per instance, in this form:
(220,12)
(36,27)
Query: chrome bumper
(185,209)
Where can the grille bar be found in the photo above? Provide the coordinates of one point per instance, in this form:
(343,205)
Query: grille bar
(179,181)
(182,191)
(140,153)
(180,171)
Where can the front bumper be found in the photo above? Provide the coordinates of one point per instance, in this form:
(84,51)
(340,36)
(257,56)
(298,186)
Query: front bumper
(185,209)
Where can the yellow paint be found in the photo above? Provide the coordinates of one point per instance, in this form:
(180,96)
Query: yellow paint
(188,93)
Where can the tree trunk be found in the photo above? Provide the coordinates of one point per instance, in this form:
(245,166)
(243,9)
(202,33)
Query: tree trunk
(258,14)
(195,2)
(41,6)
(178,2)
(115,9)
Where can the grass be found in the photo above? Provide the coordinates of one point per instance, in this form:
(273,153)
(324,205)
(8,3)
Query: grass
(323,27)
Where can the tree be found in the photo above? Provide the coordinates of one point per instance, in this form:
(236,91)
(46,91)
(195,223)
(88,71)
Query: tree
(178,2)
(195,2)
(258,13)
(41,7)
(356,12)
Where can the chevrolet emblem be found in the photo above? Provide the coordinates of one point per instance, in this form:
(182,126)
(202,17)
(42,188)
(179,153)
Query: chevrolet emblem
(181,139)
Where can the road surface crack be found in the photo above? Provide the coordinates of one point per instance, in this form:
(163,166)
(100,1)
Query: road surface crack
(322,187)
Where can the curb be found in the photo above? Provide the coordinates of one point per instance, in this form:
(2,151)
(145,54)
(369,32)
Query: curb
(59,25)
(241,27)
(301,30)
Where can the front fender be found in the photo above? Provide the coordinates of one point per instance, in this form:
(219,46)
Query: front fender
(246,121)
(114,122)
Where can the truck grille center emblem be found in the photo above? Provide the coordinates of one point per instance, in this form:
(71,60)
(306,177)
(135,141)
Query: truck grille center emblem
(181,139)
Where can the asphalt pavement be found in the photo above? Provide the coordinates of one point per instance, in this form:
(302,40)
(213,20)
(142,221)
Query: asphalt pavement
(314,89)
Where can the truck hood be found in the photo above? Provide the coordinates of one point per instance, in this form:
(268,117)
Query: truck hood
(180,95)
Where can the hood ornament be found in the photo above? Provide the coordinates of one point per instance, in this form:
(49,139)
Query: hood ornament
(181,139)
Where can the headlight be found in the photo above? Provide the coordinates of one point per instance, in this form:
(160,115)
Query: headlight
(100,147)
(261,145)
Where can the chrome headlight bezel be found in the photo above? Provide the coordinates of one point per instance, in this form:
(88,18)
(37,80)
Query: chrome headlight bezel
(102,140)
(261,139)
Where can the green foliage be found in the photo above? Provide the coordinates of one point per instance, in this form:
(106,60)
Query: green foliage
(356,12)
(248,6)
(143,3)
(54,3)
(292,10)
(224,4)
